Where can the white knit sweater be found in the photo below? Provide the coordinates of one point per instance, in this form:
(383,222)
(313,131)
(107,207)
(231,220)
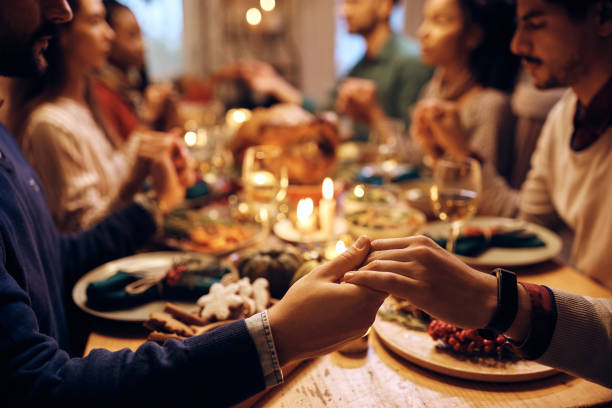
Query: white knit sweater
(574,186)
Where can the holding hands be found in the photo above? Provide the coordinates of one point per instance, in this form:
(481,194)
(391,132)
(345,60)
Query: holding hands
(318,314)
(417,269)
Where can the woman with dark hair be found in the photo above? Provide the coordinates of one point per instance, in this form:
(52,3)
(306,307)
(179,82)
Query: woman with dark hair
(85,169)
(127,100)
(468,41)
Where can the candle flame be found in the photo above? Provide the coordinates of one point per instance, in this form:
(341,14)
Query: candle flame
(328,189)
(305,208)
(191,138)
(340,247)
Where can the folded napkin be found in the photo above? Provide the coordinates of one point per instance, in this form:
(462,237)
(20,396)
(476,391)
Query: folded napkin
(475,241)
(375,175)
(199,189)
(126,290)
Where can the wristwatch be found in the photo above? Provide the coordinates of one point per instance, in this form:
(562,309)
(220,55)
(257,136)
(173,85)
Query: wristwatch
(507,301)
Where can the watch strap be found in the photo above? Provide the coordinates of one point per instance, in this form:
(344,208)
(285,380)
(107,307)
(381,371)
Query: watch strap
(507,301)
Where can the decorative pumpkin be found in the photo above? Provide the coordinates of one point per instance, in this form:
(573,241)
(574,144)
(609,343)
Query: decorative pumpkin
(277,265)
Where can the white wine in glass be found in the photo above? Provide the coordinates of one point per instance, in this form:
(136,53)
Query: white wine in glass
(455,193)
(264,178)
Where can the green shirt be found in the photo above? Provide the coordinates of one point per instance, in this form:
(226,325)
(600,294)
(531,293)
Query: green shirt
(399,76)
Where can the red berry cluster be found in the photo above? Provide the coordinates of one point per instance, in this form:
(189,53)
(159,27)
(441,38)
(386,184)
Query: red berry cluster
(173,275)
(467,341)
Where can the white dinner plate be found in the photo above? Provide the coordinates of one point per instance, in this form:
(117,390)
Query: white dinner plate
(157,263)
(505,256)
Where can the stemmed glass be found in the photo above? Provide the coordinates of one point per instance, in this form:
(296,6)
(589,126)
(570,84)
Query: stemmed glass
(265,180)
(455,193)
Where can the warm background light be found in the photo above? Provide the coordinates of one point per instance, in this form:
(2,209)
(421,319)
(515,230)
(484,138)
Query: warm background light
(191,138)
(359,191)
(340,247)
(253,16)
(305,208)
(267,5)
(328,189)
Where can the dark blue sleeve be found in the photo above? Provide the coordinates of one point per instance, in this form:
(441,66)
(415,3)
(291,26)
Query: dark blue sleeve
(117,236)
(216,369)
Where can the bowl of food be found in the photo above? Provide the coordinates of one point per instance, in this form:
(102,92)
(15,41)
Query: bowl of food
(389,222)
(364,196)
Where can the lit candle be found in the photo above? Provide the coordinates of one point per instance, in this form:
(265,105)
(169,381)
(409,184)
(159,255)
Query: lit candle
(306,220)
(327,207)
(333,250)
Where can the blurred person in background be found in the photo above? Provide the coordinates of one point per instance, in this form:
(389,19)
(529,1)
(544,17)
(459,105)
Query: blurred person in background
(390,69)
(561,43)
(121,86)
(467,41)
(85,168)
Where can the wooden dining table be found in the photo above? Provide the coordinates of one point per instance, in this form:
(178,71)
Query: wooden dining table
(379,378)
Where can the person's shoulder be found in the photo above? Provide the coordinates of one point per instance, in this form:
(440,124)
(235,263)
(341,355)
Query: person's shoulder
(408,56)
(558,123)
(50,117)
(565,107)
(489,102)
(406,47)
(494,97)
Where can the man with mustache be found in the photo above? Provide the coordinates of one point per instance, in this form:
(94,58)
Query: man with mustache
(563,43)
(37,265)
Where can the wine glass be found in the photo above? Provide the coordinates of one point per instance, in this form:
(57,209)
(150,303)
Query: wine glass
(455,193)
(265,180)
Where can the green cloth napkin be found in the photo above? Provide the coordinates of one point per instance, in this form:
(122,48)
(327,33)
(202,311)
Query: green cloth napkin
(474,245)
(110,294)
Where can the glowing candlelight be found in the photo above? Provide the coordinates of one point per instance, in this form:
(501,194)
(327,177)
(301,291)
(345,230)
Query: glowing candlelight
(340,247)
(191,138)
(327,206)
(332,249)
(306,221)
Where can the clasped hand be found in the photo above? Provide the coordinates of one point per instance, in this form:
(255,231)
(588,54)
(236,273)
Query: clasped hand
(338,301)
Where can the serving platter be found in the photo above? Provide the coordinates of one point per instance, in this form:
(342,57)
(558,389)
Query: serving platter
(419,348)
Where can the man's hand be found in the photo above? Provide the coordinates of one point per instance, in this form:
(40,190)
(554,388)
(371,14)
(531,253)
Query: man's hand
(358,98)
(438,129)
(418,270)
(318,314)
(263,78)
